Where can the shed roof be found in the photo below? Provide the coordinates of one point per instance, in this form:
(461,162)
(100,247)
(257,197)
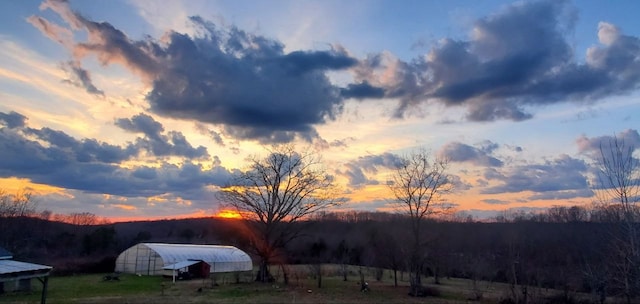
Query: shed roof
(181,265)
(5,254)
(13,270)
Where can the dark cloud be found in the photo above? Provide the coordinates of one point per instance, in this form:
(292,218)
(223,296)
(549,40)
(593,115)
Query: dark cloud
(215,136)
(173,143)
(64,148)
(591,146)
(357,177)
(299,62)
(224,76)
(481,182)
(459,152)
(13,120)
(362,90)
(492,173)
(562,195)
(52,157)
(459,185)
(563,173)
(141,123)
(516,59)
(595,147)
(145,173)
(41,154)
(81,78)
(358,169)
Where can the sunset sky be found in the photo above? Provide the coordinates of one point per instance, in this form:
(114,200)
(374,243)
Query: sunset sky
(142,109)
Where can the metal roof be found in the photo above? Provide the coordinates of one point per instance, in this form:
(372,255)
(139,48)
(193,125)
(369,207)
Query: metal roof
(151,258)
(13,267)
(181,265)
(209,253)
(5,254)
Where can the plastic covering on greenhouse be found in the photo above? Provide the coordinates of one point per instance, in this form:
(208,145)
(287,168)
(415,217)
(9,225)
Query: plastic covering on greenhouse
(151,258)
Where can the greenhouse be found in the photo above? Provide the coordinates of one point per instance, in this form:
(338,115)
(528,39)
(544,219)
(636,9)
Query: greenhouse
(157,258)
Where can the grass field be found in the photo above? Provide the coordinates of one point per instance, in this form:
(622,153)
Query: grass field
(301,289)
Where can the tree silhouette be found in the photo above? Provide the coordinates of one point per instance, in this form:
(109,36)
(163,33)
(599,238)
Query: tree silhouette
(274,194)
(619,187)
(418,185)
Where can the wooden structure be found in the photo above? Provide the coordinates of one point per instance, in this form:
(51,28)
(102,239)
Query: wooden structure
(189,269)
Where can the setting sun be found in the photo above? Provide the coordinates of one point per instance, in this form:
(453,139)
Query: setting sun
(228,214)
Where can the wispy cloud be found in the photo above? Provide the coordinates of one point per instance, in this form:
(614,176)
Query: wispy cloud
(81,78)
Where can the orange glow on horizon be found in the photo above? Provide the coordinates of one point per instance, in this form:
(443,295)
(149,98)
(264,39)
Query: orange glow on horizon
(228,214)
(197,214)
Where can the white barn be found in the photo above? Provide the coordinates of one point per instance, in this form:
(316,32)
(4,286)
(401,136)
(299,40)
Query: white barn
(153,258)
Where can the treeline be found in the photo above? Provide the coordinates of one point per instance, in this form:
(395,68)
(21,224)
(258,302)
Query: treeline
(22,204)
(574,249)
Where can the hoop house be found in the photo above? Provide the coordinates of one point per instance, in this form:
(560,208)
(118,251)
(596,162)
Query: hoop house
(151,258)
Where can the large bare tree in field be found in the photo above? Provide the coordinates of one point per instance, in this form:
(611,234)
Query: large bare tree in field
(274,194)
(418,185)
(619,187)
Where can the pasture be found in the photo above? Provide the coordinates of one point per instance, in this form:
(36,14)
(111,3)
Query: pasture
(302,288)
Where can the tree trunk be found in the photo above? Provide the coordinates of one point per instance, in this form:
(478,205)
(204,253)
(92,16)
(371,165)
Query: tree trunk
(416,282)
(345,272)
(285,274)
(263,272)
(395,278)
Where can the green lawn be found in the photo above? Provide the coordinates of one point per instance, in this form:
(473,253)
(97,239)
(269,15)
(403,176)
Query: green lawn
(78,288)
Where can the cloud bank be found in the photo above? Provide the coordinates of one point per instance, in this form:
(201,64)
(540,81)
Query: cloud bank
(223,76)
(513,61)
(52,157)
(516,59)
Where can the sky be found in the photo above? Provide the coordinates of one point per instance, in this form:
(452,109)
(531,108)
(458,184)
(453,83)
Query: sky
(139,109)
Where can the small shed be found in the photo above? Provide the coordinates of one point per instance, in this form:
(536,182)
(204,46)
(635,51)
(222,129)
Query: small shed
(188,269)
(20,274)
(154,258)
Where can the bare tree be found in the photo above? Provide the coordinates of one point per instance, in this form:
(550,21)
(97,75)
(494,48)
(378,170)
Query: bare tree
(418,185)
(619,186)
(619,176)
(274,194)
(14,209)
(82,219)
(17,205)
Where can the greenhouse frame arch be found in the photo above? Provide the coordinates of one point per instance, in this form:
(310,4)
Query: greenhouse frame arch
(155,258)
